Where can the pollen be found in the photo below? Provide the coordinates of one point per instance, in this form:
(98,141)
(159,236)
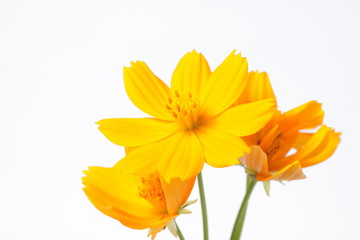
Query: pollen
(185,108)
(151,189)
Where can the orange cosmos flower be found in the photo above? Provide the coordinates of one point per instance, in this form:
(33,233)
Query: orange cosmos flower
(137,201)
(194,118)
(269,158)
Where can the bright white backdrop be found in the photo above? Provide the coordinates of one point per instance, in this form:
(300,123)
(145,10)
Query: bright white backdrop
(61,70)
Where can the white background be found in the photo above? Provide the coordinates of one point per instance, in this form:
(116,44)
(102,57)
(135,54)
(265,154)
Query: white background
(61,71)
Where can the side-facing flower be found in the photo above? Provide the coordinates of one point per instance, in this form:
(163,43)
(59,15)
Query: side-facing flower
(194,120)
(137,201)
(269,158)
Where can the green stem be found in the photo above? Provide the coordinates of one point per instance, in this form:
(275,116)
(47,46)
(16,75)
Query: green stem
(181,236)
(203,207)
(239,222)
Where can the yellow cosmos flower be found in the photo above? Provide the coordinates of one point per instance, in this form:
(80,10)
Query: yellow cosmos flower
(194,120)
(137,201)
(269,157)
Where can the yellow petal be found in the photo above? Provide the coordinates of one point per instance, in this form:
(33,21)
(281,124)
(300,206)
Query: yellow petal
(224,85)
(256,160)
(118,185)
(136,131)
(291,172)
(319,147)
(118,213)
(183,157)
(129,149)
(306,116)
(146,90)
(221,148)
(177,192)
(244,119)
(258,88)
(179,155)
(191,72)
(116,195)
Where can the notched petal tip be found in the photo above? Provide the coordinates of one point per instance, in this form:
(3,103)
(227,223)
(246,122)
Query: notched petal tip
(134,64)
(233,52)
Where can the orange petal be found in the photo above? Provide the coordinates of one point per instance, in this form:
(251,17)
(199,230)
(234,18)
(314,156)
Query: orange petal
(221,148)
(224,85)
(256,160)
(119,213)
(115,194)
(258,88)
(244,119)
(269,138)
(136,131)
(306,116)
(159,226)
(191,72)
(177,192)
(291,172)
(301,139)
(319,147)
(146,90)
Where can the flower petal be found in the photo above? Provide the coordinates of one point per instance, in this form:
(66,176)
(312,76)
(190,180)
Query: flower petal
(120,214)
(244,119)
(159,226)
(306,116)
(183,158)
(268,139)
(221,148)
(115,194)
(136,131)
(146,90)
(224,85)
(179,155)
(291,172)
(191,72)
(256,160)
(319,147)
(258,88)
(301,139)
(177,192)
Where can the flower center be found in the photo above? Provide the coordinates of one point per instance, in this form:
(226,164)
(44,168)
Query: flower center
(151,189)
(185,108)
(274,148)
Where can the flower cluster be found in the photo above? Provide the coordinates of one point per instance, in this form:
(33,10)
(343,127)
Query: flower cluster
(223,117)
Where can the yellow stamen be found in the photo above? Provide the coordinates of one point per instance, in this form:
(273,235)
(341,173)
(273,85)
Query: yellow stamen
(185,108)
(151,189)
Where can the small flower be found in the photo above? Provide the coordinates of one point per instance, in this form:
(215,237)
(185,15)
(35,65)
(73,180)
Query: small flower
(269,157)
(195,120)
(137,201)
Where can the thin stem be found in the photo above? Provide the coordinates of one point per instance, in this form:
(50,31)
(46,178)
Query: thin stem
(181,236)
(203,207)
(239,222)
